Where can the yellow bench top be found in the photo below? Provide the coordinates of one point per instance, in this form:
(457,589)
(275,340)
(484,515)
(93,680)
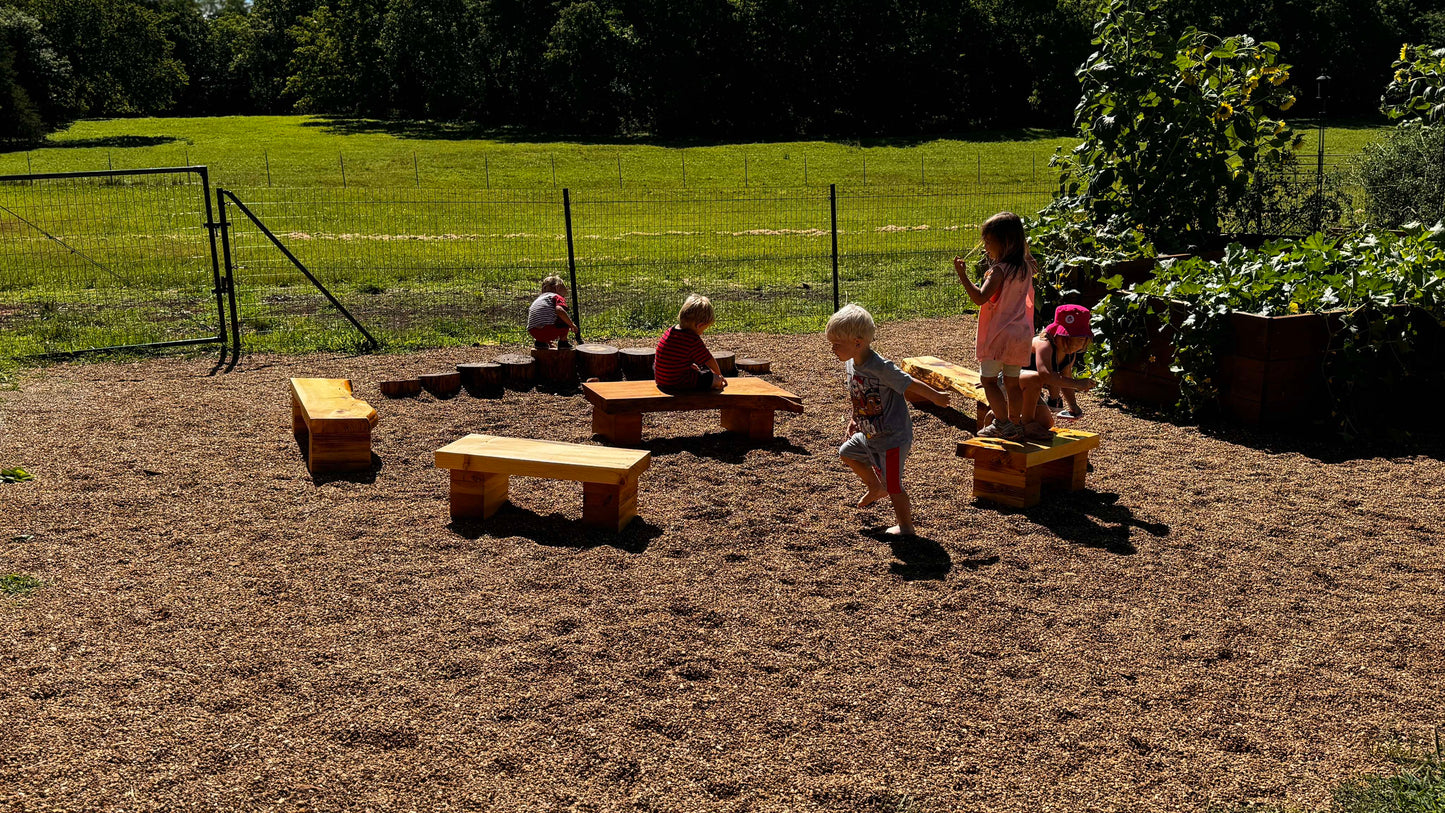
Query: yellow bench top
(330,402)
(615,397)
(554,460)
(945,375)
(1066,443)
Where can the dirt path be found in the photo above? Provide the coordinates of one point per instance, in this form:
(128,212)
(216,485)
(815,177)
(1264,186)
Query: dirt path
(1221,618)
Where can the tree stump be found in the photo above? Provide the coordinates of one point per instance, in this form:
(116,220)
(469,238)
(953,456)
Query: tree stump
(755,366)
(517,371)
(598,361)
(637,363)
(442,385)
(556,366)
(726,361)
(482,378)
(401,388)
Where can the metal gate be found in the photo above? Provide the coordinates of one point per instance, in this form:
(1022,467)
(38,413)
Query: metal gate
(111,260)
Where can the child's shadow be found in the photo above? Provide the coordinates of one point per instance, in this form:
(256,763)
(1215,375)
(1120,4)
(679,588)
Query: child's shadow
(557,530)
(949,415)
(919,558)
(724,447)
(1093,519)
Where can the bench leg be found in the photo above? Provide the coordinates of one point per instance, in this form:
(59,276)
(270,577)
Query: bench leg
(619,430)
(605,505)
(757,424)
(329,453)
(1066,473)
(477,495)
(298,421)
(995,480)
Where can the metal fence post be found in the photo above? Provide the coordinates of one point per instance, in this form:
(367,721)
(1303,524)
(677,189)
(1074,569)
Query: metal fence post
(230,281)
(833,211)
(572,262)
(218,284)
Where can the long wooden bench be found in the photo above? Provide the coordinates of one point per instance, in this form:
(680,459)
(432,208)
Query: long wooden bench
(333,425)
(747,406)
(481,466)
(1014,473)
(945,375)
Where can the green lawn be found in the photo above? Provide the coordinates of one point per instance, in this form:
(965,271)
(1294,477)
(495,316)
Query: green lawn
(310,151)
(425,253)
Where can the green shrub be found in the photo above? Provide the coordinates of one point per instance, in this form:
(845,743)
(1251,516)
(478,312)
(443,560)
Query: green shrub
(1404,177)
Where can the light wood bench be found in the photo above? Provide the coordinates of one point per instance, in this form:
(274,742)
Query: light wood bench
(481,466)
(334,426)
(747,407)
(1014,473)
(947,376)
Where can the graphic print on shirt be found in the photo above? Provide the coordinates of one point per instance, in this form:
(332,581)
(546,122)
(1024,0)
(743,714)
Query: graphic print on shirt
(867,398)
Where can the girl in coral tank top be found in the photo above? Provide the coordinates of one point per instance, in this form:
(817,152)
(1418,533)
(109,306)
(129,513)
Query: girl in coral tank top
(1005,299)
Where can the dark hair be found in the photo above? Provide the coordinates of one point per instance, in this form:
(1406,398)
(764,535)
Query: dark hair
(1009,229)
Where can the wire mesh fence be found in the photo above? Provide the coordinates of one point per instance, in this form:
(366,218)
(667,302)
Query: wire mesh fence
(425,267)
(101,260)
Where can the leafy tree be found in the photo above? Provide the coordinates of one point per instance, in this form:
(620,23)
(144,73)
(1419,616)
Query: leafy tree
(121,60)
(1173,128)
(431,56)
(337,65)
(36,91)
(589,69)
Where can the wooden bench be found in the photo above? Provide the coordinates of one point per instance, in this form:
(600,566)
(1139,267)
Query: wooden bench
(1014,473)
(747,407)
(482,464)
(947,376)
(334,426)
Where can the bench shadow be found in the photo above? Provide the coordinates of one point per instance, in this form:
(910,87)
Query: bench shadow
(919,558)
(724,447)
(1092,519)
(557,530)
(366,476)
(949,415)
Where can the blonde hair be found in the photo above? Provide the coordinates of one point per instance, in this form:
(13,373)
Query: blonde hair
(553,284)
(852,322)
(1008,229)
(696,312)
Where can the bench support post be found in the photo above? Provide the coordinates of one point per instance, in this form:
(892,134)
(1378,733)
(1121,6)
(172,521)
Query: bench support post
(1067,473)
(610,506)
(336,452)
(477,495)
(757,424)
(621,430)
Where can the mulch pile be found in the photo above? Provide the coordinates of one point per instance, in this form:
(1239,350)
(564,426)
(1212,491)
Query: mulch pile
(1222,617)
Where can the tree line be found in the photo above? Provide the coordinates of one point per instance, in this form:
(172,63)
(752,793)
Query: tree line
(690,69)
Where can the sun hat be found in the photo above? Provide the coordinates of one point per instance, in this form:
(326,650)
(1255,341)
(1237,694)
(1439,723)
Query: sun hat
(1071,321)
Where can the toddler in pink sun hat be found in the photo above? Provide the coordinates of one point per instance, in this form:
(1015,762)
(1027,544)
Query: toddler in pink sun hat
(1057,351)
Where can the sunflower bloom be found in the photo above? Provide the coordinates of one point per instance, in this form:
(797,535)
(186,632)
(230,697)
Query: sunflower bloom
(1404,52)
(1278,78)
(1399,77)
(1288,103)
(1224,112)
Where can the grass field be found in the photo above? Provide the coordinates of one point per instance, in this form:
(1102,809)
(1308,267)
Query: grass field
(439,238)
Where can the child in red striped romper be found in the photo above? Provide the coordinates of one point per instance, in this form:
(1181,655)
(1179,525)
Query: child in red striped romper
(682,362)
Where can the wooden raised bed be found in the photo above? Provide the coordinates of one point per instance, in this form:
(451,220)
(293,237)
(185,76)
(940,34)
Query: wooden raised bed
(1271,368)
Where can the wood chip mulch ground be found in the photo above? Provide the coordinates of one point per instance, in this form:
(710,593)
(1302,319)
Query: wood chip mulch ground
(1222,617)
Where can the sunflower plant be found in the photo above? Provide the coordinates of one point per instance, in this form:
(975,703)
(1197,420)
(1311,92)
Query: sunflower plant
(1416,93)
(1173,127)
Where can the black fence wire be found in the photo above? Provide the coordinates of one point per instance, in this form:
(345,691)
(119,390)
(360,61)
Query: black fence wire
(107,259)
(127,260)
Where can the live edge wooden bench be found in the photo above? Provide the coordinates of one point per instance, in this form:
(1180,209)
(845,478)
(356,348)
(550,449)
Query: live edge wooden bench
(334,425)
(482,464)
(747,405)
(945,375)
(1013,473)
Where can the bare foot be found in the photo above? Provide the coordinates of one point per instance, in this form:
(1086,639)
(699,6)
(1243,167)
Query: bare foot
(899,530)
(871,497)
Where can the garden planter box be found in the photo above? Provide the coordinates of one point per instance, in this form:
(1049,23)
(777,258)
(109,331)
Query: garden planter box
(1271,370)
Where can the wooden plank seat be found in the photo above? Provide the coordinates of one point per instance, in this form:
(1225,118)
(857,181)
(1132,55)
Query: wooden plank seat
(481,466)
(947,376)
(334,425)
(1014,473)
(747,406)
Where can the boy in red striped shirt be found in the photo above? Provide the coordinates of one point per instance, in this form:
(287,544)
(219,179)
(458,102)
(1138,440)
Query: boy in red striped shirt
(682,362)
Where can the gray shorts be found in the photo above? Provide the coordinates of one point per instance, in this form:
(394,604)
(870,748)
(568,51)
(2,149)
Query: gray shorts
(888,462)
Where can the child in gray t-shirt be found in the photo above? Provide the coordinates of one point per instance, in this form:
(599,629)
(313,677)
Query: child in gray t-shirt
(880,433)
